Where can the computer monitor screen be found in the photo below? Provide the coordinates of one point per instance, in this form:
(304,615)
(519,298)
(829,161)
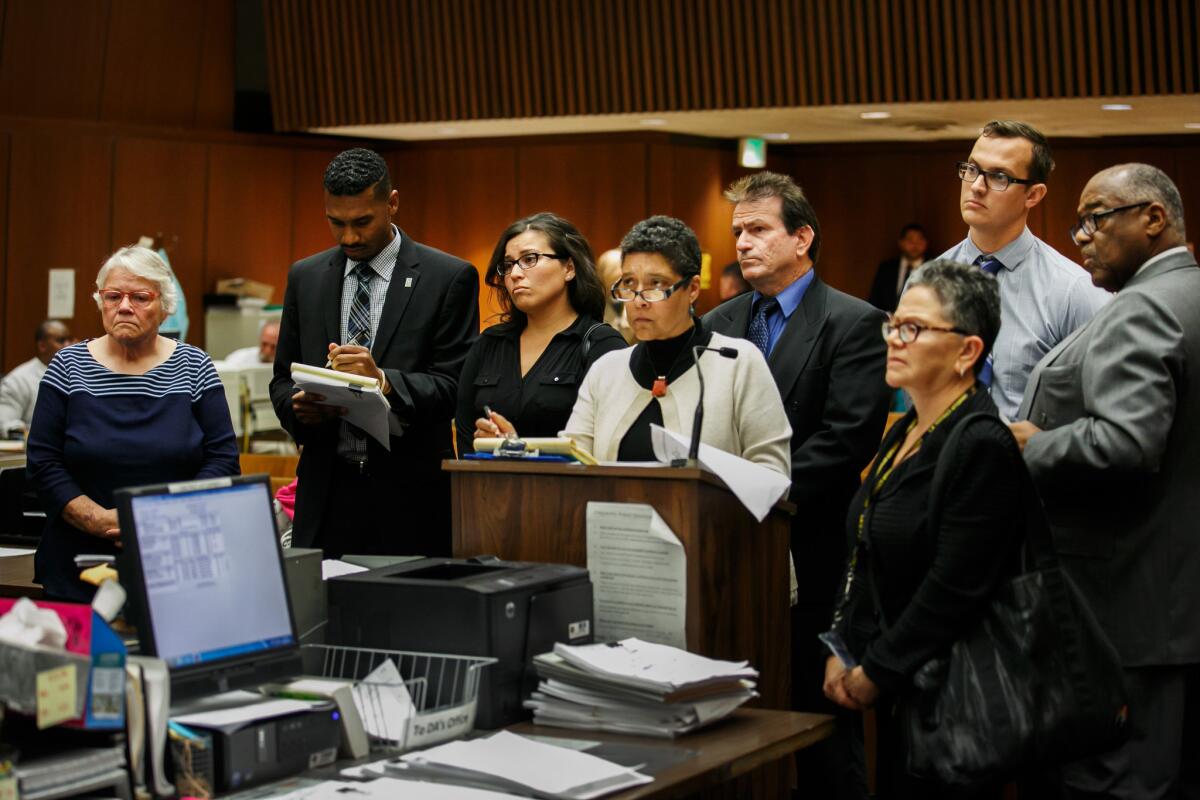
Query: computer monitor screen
(209,582)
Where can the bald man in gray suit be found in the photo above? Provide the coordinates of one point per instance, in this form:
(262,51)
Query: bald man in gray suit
(1111,434)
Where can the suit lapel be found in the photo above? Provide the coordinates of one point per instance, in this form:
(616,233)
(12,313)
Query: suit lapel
(795,346)
(331,297)
(400,290)
(733,317)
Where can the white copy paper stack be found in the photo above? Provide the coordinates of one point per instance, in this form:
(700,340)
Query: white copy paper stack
(637,687)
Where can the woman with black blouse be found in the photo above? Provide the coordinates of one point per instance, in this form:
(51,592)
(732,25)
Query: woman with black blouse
(526,370)
(930,584)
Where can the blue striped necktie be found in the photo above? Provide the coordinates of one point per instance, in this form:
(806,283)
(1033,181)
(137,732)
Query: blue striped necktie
(759,333)
(991,265)
(358,324)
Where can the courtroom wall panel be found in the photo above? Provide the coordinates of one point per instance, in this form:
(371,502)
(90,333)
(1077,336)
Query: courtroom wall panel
(7,300)
(158,187)
(599,185)
(310,231)
(249,214)
(135,61)
(58,217)
(458,198)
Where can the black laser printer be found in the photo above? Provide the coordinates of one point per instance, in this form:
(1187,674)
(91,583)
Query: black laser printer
(480,606)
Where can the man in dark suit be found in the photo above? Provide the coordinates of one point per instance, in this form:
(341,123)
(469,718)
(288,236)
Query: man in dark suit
(827,354)
(892,274)
(382,306)
(1111,433)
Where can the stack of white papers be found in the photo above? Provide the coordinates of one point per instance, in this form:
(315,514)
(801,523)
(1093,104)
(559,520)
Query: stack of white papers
(637,687)
(366,407)
(510,763)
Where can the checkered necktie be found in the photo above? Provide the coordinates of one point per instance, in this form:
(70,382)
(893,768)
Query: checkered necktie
(358,324)
(991,265)
(759,333)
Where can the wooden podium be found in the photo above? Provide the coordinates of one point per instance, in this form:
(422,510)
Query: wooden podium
(737,568)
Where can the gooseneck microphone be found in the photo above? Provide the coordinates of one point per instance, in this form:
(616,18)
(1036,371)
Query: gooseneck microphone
(698,418)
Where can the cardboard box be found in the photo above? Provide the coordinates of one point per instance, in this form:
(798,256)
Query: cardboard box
(244,287)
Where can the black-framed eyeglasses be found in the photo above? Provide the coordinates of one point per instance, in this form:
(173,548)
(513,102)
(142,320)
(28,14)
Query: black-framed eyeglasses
(909,331)
(1088,224)
(526,262)
(627,294)
(996,181)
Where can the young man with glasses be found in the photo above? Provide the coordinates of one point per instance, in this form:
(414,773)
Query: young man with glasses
(1044,296)
(1110,430)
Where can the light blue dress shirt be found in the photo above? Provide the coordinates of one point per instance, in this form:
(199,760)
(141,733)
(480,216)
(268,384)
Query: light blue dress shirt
(1044,296)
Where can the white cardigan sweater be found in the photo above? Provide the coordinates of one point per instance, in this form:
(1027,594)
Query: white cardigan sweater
(743,413)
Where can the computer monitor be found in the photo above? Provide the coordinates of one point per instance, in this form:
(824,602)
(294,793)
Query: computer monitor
(202,564)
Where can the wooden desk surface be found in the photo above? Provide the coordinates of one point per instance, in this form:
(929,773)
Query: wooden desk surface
(750,738)
(16,578)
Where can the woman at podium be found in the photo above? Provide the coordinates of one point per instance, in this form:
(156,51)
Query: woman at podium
(524,373)
(656,381)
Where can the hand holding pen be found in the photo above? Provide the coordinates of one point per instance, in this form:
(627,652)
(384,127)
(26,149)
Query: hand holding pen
(492,425)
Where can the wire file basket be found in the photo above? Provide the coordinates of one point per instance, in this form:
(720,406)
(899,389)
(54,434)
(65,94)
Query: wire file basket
(433,701)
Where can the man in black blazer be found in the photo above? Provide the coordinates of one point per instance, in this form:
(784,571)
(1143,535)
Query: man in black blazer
(892,274)
(827,354)
(417,311)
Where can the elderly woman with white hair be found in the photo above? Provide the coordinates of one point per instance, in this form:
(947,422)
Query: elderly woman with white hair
(128,408)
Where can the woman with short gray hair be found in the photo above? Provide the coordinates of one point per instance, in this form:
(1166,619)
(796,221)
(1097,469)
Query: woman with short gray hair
(126,409)
(914,585)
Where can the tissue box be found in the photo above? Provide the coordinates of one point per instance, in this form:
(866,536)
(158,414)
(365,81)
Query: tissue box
(99,654)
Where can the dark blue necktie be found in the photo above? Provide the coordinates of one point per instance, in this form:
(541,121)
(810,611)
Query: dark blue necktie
(358,323)
(759,333)
(991,265)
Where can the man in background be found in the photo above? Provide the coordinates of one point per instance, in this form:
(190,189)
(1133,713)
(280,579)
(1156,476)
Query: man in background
(826,352)
(608,268)
(382,306)
(893,273)
(732,283)
(268,338)
(1111,435)
(19,388)
(1043,294)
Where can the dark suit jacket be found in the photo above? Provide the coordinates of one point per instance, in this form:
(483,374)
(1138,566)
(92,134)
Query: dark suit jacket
(430,320)
(1118,461)
(828,365)
(883,290)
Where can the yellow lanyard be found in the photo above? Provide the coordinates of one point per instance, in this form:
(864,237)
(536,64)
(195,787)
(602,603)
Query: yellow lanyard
(882,471)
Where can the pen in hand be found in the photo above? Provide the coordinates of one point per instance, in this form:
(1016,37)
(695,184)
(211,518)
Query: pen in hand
(329,361)
(509,435)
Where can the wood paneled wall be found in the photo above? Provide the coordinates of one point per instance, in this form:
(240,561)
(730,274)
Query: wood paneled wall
(417,61)
(241,205)
(133,61)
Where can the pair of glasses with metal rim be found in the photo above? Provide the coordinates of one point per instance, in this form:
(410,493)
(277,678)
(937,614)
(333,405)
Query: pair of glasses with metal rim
(526,262)
(624,294)
(139,299)
(996,181)
(909,331)
(1088,224)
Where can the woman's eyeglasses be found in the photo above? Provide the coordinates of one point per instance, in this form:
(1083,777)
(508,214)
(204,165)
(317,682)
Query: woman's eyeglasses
(525,262)
(623,293)
(139,299)
(909,331)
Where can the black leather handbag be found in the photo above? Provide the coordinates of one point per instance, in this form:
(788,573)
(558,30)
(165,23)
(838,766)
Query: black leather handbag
(1033,682)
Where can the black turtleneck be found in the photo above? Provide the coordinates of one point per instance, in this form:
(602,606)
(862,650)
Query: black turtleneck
(650,359)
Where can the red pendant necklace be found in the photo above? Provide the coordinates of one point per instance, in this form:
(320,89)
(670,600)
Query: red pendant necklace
(659,388)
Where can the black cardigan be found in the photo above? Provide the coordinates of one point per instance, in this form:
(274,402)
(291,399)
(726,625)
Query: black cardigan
(933,583)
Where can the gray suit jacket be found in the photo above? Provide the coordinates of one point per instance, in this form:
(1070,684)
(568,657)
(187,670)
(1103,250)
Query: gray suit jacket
(1118,463)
